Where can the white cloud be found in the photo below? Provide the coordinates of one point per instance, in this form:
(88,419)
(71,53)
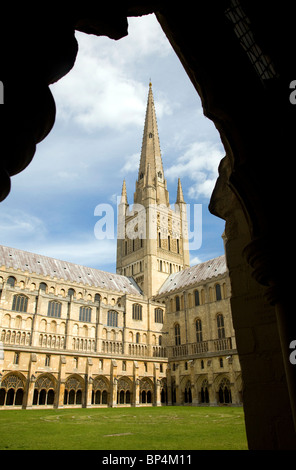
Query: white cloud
(68,175)
(20,224)
(101,91)
(86,251)
(195,260)
(83,249)
(131,164)
(113,198)
(147,38)
(108,100)
(200,164)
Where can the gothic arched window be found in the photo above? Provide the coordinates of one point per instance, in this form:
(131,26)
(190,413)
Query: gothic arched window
(97,298)
(225,391)
(159,239)
(137,312)
(198,331)
(218,292)
(20,303)
(71,293)
(43,286)
(158,315)
(54,309)
(11,391)
(85,314)
(112,319)
(177,335)
(204,393)
(177,303)
(220,326)
(11,281)
(196,298)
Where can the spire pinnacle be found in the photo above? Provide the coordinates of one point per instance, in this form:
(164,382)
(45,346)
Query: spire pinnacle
(123,193)
(150,152)
(180,197)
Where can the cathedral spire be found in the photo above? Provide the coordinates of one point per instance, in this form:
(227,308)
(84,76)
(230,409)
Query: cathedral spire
(151,157)
(152,237)
(150,153)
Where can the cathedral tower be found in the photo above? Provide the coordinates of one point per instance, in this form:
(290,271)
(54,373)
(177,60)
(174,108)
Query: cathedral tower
(152,240)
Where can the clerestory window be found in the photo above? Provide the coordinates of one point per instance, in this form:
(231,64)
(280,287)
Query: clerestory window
(112,319)
(54,309)
(85,314)
(20,303)
(137,312)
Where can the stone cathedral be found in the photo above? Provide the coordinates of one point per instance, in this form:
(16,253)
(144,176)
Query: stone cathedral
(156,333)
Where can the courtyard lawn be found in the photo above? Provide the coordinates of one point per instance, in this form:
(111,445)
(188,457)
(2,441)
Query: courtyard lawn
(166,428)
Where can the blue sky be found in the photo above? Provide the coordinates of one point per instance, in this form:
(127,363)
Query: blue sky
(96,143)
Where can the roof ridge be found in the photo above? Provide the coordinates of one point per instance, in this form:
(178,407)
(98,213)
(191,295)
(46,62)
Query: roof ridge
(60,260)
(66,270)
(181,277)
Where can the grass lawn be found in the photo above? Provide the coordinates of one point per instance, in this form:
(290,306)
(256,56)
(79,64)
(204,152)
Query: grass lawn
(166,428)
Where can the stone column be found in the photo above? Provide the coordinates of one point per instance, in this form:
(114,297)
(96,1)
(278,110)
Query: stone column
(113,384)
(30,392)
(212,389)
(88,382)
(136,400)
(89,392)
(136,388)
(233,384)
(60,400)
(157,400)
(98,332)
(177,383)
(59,397)
(212,394)
(157,397)
(169,385)
(68,336)
(194,393)
(34,332)
(28,401)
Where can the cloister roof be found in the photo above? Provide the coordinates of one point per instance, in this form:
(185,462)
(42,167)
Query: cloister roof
(200,272)
(69,272)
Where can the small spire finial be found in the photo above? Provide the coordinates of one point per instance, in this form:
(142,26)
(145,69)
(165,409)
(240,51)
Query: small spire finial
(150,83)
(123,193)
(180,197)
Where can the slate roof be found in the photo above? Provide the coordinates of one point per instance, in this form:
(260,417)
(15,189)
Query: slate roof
(69,272)
(198,273)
